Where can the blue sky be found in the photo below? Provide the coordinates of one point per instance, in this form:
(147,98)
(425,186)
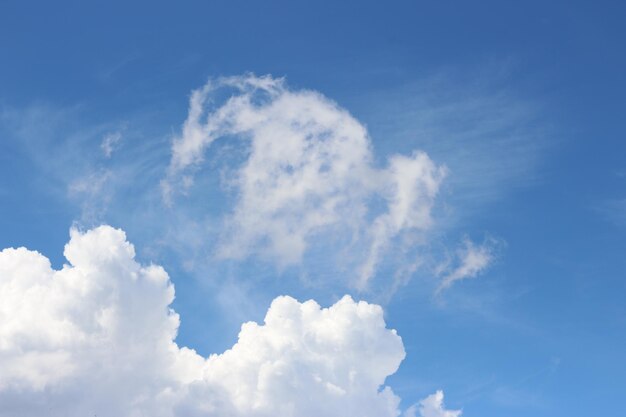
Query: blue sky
(520,103)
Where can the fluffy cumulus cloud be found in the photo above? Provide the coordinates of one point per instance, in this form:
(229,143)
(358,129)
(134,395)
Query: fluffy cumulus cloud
(97,337)
(431,406)
(309,169)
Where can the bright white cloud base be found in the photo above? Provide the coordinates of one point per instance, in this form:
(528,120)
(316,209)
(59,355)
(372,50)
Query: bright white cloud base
(97,338)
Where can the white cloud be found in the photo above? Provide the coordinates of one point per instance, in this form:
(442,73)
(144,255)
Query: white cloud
(432,406)
(309,170)
(97,338)
(110,143)
(472,259)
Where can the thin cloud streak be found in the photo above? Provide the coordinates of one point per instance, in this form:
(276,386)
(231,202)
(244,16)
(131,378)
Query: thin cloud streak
(471,260)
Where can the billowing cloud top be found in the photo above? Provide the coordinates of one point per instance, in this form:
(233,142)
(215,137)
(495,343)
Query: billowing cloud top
(308,170)
(432,406)
(98,338)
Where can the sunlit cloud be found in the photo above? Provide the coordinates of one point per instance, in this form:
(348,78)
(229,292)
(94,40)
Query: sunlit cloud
(308,170)
(97,337)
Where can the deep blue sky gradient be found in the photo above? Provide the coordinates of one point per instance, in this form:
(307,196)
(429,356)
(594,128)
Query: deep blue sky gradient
(542,333)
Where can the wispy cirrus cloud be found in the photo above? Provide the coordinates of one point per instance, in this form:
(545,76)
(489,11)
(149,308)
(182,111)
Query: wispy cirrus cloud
(492,139)
(110,142)
(470,260)
(84,161)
